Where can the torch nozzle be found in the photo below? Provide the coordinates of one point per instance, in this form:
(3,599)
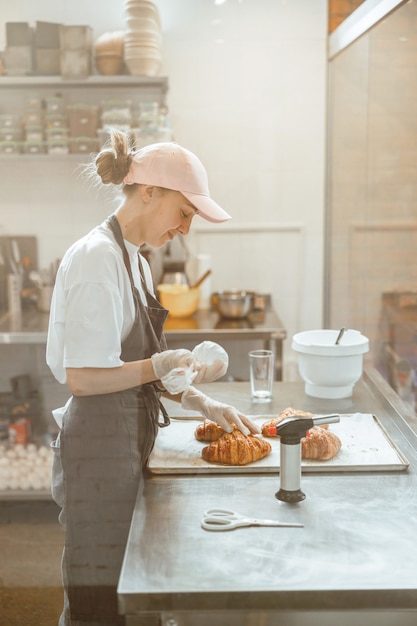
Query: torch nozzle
(326,419)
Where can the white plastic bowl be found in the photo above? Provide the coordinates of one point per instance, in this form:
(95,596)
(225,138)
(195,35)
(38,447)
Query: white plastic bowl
(330,370)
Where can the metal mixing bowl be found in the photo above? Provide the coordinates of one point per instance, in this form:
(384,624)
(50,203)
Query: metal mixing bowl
(233,304)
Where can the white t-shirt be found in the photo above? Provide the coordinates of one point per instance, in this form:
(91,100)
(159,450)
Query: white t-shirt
(92,309)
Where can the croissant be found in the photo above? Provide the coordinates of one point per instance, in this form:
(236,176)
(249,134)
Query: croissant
(320,444)
(208,431)
(236,449)
(288,412)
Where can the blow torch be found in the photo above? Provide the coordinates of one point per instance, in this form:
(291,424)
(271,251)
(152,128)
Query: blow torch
(291,431)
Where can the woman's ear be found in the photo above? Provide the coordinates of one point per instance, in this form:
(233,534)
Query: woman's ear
(147,192)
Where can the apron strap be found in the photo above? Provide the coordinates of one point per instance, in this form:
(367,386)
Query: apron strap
(154,405)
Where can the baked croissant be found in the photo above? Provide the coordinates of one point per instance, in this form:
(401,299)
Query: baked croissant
(208,431)
(235,448)
(288,412)
(320,444)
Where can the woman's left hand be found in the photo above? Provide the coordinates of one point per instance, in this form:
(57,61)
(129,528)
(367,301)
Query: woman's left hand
(223,414)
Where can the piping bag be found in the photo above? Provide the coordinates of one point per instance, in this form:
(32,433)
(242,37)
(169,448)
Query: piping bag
(211,355)
(291,431)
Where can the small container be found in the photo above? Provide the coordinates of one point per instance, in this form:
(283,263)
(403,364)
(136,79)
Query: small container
(58,146)
(10,147)
(18,60)
(18,34)
(33,117)
(10,134)
(55,120)
(34,133)
(33,147)
(46,35)
(75,63)
(55,104)
(117,118)
(75,37)
(33,102)
(48,61)
(83,145)
(82,120)
(9,120)
(58,133)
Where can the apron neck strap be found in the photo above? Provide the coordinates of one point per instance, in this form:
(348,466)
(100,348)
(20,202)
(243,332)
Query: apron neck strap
(113,224)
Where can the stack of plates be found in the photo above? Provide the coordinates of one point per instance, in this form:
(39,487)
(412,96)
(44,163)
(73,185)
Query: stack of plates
(143,38)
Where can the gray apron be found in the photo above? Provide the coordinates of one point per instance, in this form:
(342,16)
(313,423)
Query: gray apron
(99,459)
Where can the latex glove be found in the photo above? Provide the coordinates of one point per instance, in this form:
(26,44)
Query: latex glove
(223,414)
(213,359)
(176,369)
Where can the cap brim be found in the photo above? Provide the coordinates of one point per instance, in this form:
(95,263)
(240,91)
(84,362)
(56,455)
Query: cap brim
(207,208)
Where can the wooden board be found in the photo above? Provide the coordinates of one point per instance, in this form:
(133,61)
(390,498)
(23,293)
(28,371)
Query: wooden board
(366,447)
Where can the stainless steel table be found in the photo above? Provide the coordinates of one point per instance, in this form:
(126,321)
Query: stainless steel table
(355,560)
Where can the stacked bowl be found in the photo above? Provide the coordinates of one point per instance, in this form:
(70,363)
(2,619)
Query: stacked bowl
(143,38)
(109,52)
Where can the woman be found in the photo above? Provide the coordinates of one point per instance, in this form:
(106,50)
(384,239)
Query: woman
(106,342)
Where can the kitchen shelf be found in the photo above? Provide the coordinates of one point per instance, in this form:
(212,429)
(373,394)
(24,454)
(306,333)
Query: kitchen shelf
(78,157)
(24,82)
(25,494)
(90,90)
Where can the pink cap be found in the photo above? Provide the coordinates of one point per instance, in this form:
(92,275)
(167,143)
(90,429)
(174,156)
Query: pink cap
(173,167)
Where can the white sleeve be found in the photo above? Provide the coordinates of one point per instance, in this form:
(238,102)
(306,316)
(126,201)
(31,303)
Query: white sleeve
(93,326)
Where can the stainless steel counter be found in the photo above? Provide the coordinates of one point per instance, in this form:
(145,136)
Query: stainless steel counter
(32,327)
(355,553)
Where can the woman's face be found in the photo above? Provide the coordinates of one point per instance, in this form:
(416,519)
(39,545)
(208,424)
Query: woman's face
(167,213)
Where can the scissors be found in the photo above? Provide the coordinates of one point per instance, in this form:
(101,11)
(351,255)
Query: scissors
(222,519)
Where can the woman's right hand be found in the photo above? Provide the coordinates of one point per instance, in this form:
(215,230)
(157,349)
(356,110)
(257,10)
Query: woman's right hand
(168,360)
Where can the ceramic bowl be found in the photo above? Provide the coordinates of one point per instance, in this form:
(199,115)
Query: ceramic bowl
(330,370)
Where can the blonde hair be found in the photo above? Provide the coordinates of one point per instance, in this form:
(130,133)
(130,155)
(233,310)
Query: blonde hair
(113,162)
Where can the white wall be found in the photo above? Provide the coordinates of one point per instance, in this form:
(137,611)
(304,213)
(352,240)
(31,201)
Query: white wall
(247,94)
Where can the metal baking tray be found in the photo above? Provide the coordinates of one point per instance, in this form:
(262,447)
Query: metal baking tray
(366,447)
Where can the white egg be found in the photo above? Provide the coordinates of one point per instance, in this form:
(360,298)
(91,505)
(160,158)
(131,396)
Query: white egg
(13,483)
(19,448)
(36,483)
(31,447)
(11,454)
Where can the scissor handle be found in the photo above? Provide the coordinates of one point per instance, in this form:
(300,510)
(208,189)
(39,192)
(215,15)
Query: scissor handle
(221,513)
(219,523)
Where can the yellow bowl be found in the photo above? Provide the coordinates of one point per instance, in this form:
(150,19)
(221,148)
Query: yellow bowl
(180,300)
